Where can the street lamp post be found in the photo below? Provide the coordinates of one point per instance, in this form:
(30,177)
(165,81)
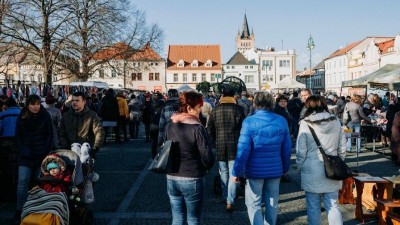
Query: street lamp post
(310,46)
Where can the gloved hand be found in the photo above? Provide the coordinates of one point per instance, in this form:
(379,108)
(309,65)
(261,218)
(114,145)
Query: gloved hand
(93,151)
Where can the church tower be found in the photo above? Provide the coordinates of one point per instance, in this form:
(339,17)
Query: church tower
(245,40)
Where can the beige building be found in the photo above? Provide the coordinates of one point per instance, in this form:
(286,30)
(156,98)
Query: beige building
(126,67)
(245,40)
(192,64)
(18,64)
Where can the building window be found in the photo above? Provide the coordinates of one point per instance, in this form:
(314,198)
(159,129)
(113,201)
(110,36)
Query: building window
(284,63)
(157,76)
(175,77)
(151,76)
(181,63)
(156,63)
(101,73)
(139,76)
(251,67)
(233,67)
(227,67)
(249,79)
(203,77)
(133,76)
(184,77)
(194,77)
(266,64)
(113,73)
(212,77)
(283,76)
(246,67)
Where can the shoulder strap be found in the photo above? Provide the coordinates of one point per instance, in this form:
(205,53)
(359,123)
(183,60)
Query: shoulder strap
(316,140)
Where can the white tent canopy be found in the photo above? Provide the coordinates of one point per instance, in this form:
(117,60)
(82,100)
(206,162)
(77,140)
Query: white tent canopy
(288,83)
(97,84)
(185,88)
(379,76)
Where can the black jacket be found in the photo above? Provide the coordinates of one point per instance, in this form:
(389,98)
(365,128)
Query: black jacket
(194,150)
(34,137)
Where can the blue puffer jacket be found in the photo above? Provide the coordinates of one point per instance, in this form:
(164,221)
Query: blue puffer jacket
(8,121)
(264,146)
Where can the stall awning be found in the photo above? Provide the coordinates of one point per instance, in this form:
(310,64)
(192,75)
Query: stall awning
(374,77)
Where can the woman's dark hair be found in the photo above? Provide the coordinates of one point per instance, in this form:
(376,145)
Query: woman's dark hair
(191,99)
(315,103)
(31,100)
(282,97)
(263,100)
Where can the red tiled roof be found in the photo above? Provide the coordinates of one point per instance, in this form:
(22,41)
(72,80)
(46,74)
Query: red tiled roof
(384,46)
(146,53)
(189,53)
(123,51)
(344,50)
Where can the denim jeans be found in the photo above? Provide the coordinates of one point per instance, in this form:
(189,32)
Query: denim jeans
(186,196)
(356,128)
(330,203)
(259,191)
(228,186)
(24,177)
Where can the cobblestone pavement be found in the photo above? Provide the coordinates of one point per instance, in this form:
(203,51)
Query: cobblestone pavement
(128,194)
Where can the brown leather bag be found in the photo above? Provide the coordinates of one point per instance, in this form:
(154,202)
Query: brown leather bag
(346,193)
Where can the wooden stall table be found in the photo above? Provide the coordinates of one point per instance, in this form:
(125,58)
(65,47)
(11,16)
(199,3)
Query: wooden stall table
(386,206)
(384,190)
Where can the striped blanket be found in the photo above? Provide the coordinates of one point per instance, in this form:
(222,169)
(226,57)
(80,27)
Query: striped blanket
(40,201)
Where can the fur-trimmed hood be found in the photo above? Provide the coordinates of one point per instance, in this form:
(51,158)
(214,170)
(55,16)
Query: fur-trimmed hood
(55,159)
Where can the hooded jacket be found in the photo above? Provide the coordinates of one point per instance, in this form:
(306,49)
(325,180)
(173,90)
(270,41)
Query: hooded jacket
(309,158)
(194,152)
(80,127)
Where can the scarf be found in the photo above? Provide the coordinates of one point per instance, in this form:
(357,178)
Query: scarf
(185,118)
(224,100)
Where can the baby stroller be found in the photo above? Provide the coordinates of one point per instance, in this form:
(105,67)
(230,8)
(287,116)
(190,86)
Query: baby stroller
(70,207)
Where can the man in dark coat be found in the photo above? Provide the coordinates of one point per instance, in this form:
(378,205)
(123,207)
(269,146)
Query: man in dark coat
(157,105)
(171,106)
(294,107)
(109,111)
(224,127)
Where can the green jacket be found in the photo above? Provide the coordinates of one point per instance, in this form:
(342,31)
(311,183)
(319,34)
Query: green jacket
(81,127)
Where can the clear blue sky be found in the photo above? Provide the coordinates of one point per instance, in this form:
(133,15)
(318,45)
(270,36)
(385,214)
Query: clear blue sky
(331,23)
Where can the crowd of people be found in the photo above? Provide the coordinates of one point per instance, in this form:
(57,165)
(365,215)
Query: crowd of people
(252,135)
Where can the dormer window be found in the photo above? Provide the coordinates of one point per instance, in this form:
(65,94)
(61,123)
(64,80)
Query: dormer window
(181,63)
(209,63)
(195,63)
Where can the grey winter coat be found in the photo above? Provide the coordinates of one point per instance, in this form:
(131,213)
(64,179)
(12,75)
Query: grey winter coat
(308,156)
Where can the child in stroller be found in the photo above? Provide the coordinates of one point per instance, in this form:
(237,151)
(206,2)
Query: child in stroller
(55,177)
(69,207)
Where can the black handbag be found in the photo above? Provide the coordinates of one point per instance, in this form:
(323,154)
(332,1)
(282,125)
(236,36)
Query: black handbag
(162,163)
(335,167)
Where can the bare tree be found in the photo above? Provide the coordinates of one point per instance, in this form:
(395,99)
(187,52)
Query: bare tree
(99,24)
(38,25)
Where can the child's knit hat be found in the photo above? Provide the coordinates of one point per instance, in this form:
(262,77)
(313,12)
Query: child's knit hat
(52,165)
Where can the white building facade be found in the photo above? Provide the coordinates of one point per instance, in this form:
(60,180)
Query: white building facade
(238,66)
(141,69)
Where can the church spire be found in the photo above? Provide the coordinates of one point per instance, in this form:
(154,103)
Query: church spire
(245,28)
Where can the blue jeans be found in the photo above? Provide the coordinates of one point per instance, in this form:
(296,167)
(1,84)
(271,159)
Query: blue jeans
(228,186)
(259,191)
(356,128)
(24,177)
(186,196)
(330,203)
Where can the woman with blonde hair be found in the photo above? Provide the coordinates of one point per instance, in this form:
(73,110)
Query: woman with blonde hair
(354,111)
